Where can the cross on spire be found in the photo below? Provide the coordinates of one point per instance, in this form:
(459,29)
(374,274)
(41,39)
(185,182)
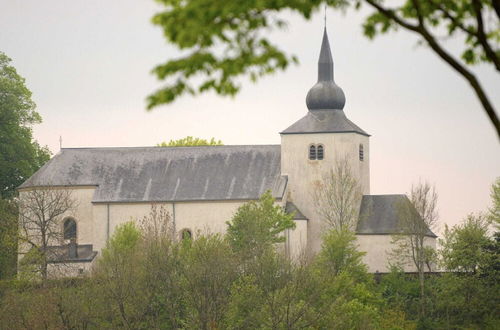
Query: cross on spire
(325,15)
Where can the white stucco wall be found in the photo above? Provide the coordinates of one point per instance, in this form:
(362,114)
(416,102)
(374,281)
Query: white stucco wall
(203,217)
(378,252)
(304,174)
(296,243)
(82,213)
(96,222)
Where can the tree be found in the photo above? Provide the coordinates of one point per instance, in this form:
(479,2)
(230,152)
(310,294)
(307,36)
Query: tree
(20,155)
(281,296)
(348,297)
(495,208)
(257,226)
(416,218)
(228,40)
(118,272)
(161,278)
(463,246)
(41,212)
(8,238)
(469,288)
(140,275)
(190,141)
(209,270)
(338,197)
(339,254)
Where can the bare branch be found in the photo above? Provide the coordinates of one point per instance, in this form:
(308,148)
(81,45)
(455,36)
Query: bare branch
(338,197)
(417,217)
(432,42)
(481,35)
(41,214)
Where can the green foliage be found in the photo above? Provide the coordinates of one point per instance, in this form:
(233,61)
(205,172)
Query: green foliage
(464,297)
(495,208)
(456,18)
(119,278)
(401,292)
(227,40)
(339,254)
(256,226)
(209,269)
(20,155)
(463,246)
(147,279)
(347,292)
(245,305)
(190,141)
(123,241)
(469,293)
(8,238)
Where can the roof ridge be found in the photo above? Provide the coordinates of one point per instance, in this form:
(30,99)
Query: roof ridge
(160,147)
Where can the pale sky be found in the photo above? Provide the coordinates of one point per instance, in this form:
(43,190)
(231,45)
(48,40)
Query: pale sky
(88,65)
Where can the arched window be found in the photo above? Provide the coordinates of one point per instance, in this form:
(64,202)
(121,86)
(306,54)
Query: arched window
(186,234)
(312,152)
(361,153)
(69,230)
(320,152)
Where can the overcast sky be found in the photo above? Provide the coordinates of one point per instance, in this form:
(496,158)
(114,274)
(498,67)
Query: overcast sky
(88,65)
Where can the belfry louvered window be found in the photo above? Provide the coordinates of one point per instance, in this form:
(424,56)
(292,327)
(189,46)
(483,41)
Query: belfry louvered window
(312,152)
(319,152)
(316,152)
(361,153)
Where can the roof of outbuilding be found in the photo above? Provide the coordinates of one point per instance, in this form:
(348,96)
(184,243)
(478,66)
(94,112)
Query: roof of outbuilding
(324,121)
(379,215)
(291,208)
(145,174)
(60,254)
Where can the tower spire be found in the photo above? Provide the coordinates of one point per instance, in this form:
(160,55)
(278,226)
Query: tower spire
(325,63)
(325,95)
(325,15)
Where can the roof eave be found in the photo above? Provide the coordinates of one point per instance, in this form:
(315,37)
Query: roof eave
(325,132)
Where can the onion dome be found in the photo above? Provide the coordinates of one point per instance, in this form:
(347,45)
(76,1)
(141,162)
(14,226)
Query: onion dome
(325,95)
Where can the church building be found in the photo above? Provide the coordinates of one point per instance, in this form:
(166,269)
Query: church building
(202,187)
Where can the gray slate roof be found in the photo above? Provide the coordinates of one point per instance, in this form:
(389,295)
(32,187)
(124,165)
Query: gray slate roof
(167,173)
(60,254)
(379,215)
(292,208)
(324,121)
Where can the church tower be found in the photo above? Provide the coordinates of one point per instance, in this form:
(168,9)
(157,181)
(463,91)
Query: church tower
(311,146)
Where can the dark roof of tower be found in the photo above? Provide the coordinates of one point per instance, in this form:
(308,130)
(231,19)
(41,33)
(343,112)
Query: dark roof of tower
(325,94)
(145,174)
(325,101)
(292,208)
(324,121)
(379,215)
(325,62)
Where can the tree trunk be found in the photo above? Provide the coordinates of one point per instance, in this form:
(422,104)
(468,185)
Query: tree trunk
(422,292)
(44,270)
